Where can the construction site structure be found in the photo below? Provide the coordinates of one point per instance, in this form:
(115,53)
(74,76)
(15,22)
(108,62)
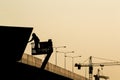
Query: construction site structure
(91,65)
(98,76)
(37,62)
(14,40)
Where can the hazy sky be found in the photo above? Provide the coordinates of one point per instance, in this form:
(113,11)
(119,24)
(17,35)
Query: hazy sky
(88,27)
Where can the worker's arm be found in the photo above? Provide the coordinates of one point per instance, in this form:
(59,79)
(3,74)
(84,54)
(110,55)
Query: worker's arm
(30,40)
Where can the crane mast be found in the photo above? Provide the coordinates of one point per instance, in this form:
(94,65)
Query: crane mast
(90,68)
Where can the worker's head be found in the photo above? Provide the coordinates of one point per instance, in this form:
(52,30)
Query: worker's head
(33,34)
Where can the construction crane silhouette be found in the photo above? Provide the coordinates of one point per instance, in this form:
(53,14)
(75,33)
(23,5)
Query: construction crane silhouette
(98,76)
(91,65)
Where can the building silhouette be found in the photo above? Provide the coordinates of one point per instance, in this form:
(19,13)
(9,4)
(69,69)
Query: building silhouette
(13,41)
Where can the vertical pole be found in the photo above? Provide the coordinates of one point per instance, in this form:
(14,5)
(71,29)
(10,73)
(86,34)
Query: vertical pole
(56,53)
(72,64)
(56,56)
(65,60)
(90,68)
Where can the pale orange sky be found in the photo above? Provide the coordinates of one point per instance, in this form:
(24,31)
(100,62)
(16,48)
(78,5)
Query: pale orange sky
(88,27)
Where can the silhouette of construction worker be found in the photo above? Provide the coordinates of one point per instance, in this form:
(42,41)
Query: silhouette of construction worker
(36,41)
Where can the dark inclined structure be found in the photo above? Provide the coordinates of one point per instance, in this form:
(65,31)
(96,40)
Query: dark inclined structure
(13,41)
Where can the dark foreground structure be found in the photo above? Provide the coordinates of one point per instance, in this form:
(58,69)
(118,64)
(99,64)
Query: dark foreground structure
(13,41)
(26,72)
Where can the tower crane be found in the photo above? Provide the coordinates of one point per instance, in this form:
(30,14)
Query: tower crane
(91,65)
